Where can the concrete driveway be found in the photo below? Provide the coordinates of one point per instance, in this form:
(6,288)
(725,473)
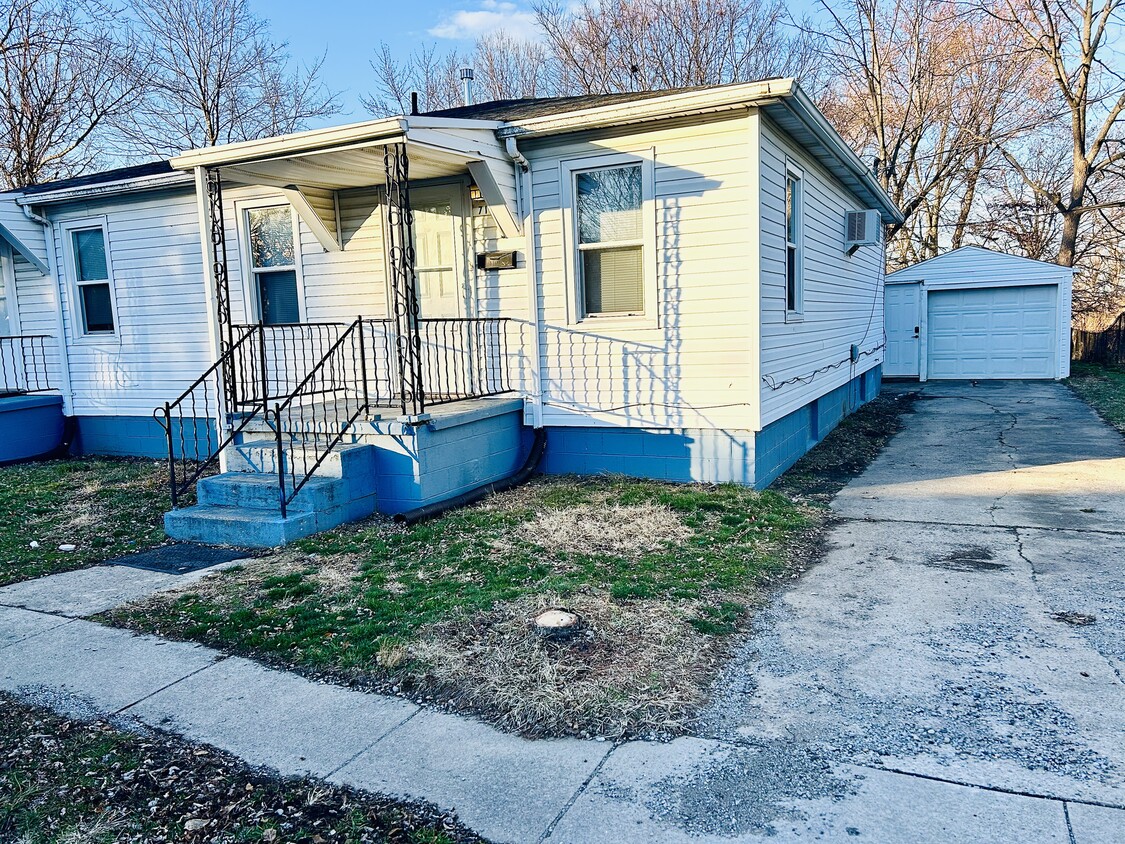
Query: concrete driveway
(931,679)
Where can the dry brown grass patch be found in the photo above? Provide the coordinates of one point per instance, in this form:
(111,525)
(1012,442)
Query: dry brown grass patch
(623,530)
(634,668)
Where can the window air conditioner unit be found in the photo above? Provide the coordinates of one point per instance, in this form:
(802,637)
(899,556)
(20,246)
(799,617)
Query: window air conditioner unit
(862,229)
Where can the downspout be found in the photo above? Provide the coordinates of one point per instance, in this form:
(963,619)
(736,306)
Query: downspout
(35,218)
(60,318)
(526,210)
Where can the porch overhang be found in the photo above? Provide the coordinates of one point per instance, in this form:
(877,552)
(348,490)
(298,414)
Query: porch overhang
(307,167)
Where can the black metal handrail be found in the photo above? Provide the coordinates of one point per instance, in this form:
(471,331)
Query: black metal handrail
(320,377)
(281,356)
(199,406)
(463,358)
(24,365)
(308,420)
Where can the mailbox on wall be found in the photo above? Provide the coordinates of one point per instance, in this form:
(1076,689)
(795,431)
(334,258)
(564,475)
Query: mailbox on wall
(496,261)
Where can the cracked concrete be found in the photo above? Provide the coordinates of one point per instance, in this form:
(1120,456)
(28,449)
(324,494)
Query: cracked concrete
(924,642)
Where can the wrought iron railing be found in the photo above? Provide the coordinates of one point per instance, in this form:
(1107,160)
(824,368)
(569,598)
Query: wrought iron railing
(463,358)
(310,382)
(277,360)
(24,365)
(191,421)
(316,416)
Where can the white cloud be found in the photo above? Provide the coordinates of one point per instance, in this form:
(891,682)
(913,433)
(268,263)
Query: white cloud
(487,16)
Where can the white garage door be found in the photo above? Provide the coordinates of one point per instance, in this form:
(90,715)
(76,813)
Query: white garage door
(995,332)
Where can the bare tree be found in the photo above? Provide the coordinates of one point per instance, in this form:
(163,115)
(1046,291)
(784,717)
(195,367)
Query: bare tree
(631,45)
(65,68)
(1078,43)
(433,75)
(606,47)
(215,75)
(924,88)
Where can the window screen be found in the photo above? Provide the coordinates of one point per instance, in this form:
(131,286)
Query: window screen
(610,241)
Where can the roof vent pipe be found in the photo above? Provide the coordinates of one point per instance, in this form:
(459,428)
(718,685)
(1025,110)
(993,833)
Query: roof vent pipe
(467,76)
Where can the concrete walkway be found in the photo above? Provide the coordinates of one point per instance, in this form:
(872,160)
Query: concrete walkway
(913,687)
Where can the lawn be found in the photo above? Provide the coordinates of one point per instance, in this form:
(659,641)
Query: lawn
(659,574)
(104,507)
(1103,388)
(63,780)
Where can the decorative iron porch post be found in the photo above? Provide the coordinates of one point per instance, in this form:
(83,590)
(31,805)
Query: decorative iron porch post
(404,290)
(222,282)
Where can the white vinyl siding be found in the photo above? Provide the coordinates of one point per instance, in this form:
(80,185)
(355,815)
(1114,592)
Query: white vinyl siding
(842,295)
(689,363)
(160,344)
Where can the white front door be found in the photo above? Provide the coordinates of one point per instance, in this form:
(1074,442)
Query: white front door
(439,251)
(903,307)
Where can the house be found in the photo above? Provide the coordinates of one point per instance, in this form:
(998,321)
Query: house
(976,313)
(680,285)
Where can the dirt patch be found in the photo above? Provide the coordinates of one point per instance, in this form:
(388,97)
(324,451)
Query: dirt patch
(634,664)
(848,449)
(626,530)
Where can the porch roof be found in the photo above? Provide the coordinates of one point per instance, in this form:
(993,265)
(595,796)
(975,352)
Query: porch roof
(350,156)
(343,157)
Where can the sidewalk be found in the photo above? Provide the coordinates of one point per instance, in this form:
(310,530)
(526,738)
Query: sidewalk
(506,788)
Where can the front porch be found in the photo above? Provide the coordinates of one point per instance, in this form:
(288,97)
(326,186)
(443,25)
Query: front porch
(315,422)
(31,409)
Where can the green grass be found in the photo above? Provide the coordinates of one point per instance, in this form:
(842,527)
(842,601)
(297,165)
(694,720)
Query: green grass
(1102,387)
(63,780)
(474,558)
(103,506)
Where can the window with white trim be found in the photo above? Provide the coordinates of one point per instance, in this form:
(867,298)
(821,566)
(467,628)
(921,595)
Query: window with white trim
(93,285)
(273,263)
(608,205)
(794,235)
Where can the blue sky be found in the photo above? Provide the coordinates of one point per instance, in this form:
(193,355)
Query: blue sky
(350,31)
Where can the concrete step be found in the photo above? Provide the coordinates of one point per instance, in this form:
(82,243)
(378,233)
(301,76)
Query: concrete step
(260,455)
(260,492)
(242,507)
(244,527)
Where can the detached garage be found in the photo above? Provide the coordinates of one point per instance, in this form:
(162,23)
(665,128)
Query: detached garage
(974,313)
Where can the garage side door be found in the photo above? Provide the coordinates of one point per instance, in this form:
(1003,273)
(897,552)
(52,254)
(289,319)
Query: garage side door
(995,332)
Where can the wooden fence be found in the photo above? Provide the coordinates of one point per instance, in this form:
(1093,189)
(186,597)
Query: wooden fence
(1105,346)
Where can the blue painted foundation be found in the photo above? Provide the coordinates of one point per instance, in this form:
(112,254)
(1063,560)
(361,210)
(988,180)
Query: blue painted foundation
(30,426)
(668,455)
(450,454)
(138,436)
(708,456)
(783,442)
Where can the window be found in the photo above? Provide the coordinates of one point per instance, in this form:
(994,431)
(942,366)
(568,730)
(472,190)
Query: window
(273,263)
(93,288)
(610,241)
(794,294)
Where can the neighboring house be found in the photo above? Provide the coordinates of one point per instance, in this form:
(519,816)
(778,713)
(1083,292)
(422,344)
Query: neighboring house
(975,313)
(663,282)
